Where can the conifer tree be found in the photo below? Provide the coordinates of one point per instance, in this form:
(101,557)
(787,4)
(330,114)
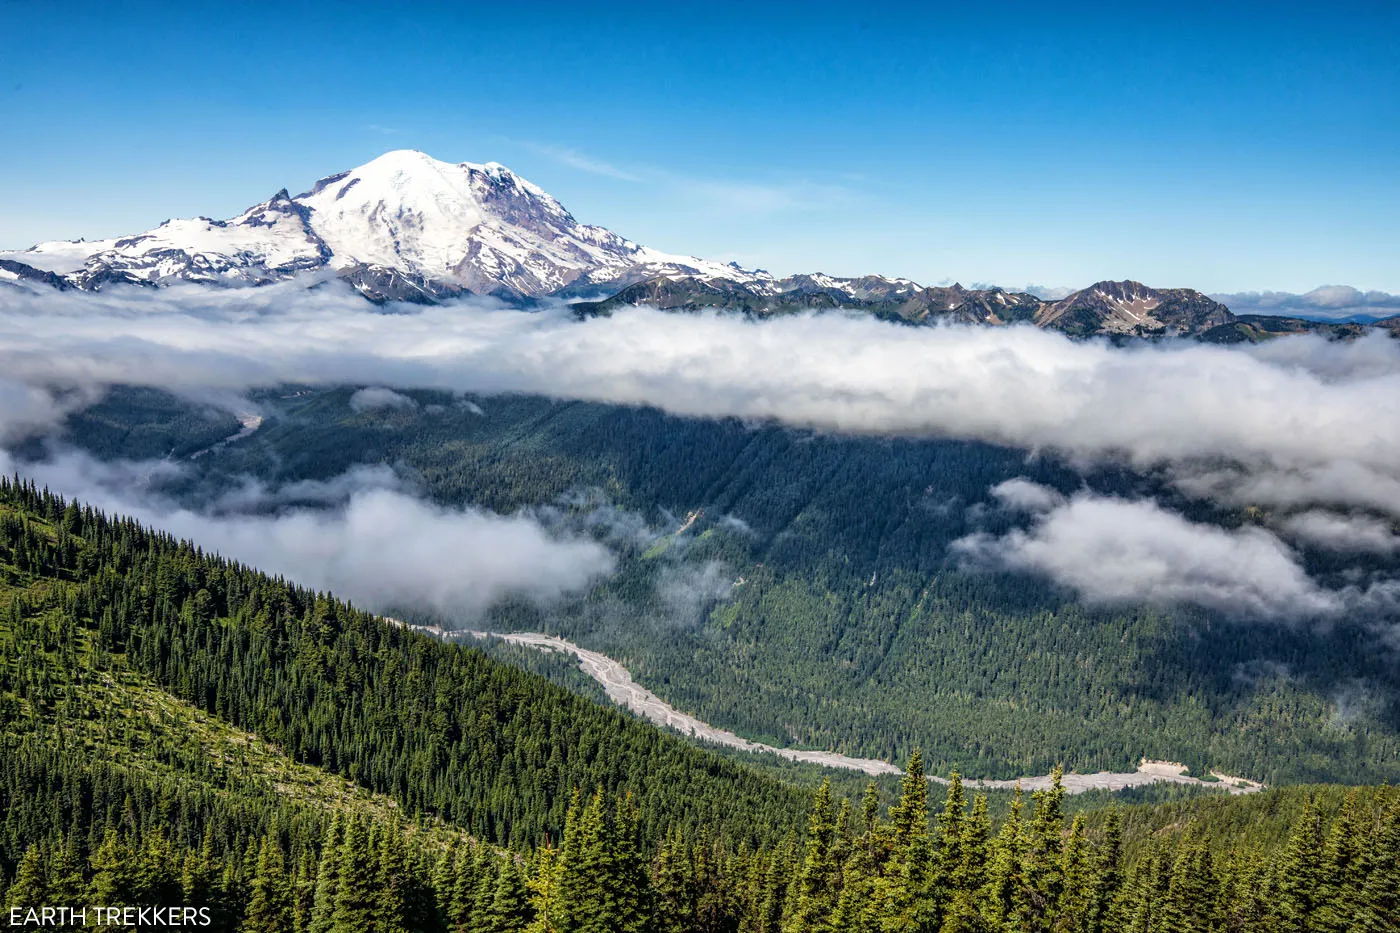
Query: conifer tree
(393,878)
(952,827)
(1074,905)
(1343,872)
(966,911)
(198,873)
(1043,880)
(157,882)
(569,891)
(1189,904)
(870,808)
(31,885)
(909,817)
(1380,894)
(464,883)
(817,891)
(270,897)
(1105,914)
(65,879)
(905,894)
(510,908)
(487,873)
(977,836)
(1299,872)
(303,891)
(1003,905)
(444,878)
(626,870)
(543,884)
(671,875)
(327,878)
(113,879)
(855,908)
(357,901)
(778,893)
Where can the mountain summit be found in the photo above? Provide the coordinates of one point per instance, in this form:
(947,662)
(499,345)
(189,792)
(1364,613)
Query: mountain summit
(403,225)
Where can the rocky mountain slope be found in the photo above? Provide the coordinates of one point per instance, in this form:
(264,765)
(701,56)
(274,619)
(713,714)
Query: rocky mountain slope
(1105,308)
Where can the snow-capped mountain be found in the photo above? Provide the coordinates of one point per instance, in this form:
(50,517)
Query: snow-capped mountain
(402,222)
(407,227)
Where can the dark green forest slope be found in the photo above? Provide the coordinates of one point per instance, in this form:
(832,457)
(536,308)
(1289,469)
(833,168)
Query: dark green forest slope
(813,600)
(184,732)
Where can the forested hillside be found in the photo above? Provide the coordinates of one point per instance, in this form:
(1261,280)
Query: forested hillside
(813,599)
(183,732)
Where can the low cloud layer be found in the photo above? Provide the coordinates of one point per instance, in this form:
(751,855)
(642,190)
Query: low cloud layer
(362,535)
(368,399)
(1117,552)
(1344,533)
(1298,426)
(1299,403)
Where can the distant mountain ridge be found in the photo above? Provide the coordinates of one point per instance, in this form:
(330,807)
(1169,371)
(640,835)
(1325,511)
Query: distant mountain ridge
(408,227)
(1106,308)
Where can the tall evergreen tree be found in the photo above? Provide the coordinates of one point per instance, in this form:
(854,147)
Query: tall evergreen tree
(270,895)
(1105,916)
(1043,879)
(1074,906)
(157,881)
(1004,903)
(113,876)
(1343,872)
(357,901)
(393,878)
(543,885)
(818,883)
(1299,873)
(328,878)
(1380,894)
(510,907)
(952,858)
(31,885)
(1190,901)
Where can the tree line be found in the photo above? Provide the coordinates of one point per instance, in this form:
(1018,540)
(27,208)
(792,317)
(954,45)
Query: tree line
(505,804)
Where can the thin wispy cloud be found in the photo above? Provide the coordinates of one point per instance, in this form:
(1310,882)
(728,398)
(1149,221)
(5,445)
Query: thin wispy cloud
(581,161)
(750,197)
(719,195)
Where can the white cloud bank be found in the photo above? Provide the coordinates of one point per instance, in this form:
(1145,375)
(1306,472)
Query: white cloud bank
(1297,425)
(374,397)
(361,535)
(1293,409)
(1116,551)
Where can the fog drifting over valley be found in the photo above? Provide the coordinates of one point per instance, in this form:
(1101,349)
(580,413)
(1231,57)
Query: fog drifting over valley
(1306,431)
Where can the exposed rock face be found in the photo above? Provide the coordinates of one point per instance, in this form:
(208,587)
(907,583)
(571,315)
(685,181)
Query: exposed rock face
(13,271)
(1131,308)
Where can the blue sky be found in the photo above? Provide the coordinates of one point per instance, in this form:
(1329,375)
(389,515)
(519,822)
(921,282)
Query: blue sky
(1251,148)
